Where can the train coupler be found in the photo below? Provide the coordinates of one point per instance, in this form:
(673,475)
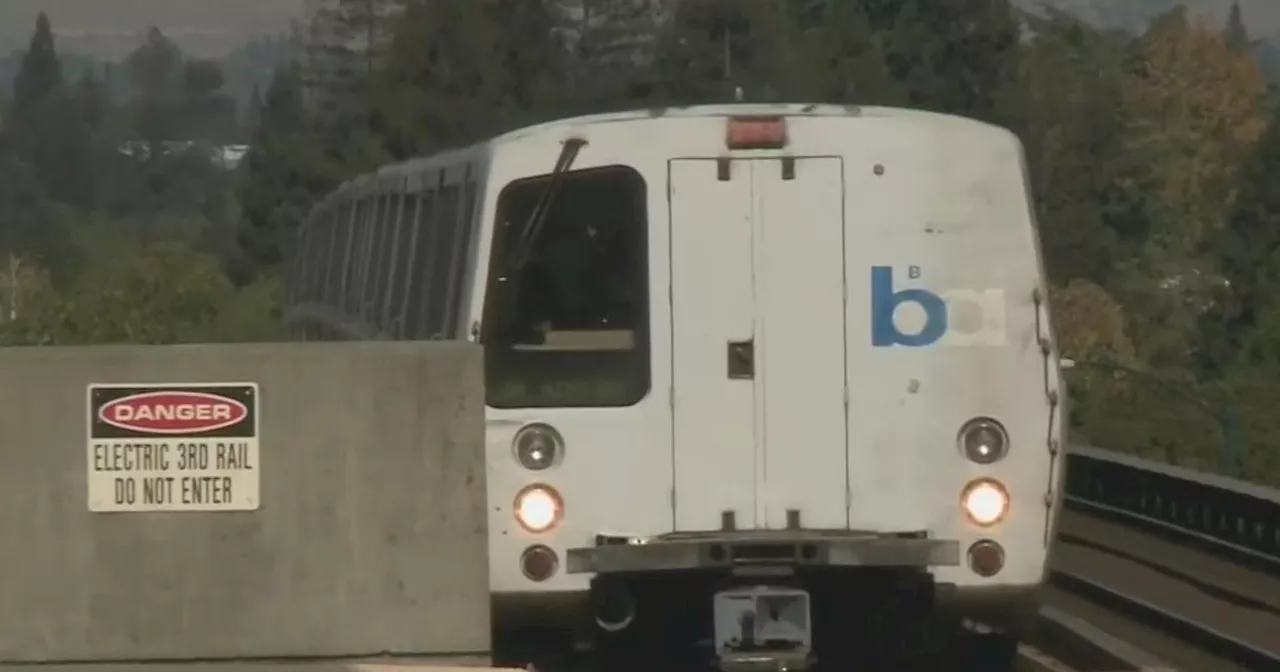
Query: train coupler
(763,629)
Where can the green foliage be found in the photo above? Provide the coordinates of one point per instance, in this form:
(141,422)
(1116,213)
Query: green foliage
(109,233)
(147,293)
(48,132)
(1071,125)
(41,74)
(1151,154)
(953,57)
(1235,33)
(457,71)
(1242,323)
(280,176)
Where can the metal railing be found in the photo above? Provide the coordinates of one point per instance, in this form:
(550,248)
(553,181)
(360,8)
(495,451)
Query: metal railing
(1228,516)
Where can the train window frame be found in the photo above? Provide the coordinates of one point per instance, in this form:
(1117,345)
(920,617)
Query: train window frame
(627,364)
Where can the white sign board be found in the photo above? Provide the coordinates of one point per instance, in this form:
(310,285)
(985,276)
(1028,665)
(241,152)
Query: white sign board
(171,447)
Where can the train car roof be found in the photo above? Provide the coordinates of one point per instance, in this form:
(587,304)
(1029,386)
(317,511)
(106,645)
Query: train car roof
(783,109)
(481,150)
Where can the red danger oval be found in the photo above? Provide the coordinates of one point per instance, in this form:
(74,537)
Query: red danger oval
(173,412)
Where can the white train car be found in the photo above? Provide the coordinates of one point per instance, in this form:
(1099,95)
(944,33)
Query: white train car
(774,379)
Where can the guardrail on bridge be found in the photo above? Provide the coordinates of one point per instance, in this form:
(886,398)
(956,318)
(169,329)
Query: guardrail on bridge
(1232,516)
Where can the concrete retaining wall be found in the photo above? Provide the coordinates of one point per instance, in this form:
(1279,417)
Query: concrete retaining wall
(369,536)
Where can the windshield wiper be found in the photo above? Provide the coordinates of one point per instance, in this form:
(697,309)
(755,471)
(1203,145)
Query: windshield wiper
(529,233)
(533,227)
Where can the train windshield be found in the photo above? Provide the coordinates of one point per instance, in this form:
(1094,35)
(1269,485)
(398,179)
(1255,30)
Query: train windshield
(566,315)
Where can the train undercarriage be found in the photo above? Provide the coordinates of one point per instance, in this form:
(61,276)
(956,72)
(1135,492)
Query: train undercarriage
(757,605)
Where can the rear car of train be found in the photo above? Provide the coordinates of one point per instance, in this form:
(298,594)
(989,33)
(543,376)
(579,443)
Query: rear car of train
(764,376)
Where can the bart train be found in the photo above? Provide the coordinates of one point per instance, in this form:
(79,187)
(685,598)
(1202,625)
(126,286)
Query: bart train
(774,383)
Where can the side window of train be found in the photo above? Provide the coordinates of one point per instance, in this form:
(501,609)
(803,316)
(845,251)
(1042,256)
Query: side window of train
(402,264)
(318,252)
(420,265)
(462,248)
(364,241)
(435,320)
(304,259)
(296,260)
(351,254)
(566,318)
(307,261)
(370,276)
(336,269)
(382,260)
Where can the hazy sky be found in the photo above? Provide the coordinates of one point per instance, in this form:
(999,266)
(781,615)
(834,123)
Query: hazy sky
(201,27)
(212,27)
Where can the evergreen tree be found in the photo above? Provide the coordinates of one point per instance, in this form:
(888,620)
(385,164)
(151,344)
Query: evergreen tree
(955,57)
(253,109)
(283,171)
(208,112)
(837,56)
(345,44)
(155,72)
(612,44)
(1235,33)
(48,132)
(714,49)
(458,70)
(1071,126)
(1249,254)
(40,77)
(93,100)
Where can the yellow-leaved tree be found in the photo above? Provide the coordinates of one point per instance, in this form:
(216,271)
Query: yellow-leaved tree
(1116,401)
(1194,108)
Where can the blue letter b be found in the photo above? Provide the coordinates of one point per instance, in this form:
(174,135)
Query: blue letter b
(885,301)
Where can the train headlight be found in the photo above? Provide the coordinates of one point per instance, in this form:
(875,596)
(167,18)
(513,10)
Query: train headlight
(538,508)
(983,440)
(537,446)
(985,501)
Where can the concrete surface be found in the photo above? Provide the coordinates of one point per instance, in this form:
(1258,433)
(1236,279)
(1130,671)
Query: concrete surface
(370,536)
(397,665)
(1089,648)
(1238,601)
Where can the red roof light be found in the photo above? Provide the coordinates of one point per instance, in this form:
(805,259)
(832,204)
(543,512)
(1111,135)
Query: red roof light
(756,133)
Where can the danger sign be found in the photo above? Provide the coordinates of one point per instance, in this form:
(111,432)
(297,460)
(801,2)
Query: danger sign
(191,447)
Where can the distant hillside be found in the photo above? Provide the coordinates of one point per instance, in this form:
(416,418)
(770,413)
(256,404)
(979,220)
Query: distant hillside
(248,66)
(109,29)
(243,34)
(1269,55)
(1262,17)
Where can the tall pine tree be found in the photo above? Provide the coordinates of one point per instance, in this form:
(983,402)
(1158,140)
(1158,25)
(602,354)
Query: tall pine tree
(49,132)
(285,167)
(612,44)
(460,70)
(1235,33)
(714,50)
(1248,250)
(955,57)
